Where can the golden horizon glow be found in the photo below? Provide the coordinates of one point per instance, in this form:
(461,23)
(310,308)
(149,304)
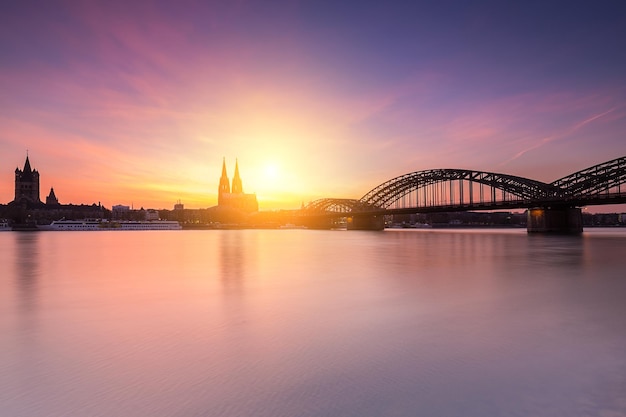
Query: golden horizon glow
(141,107)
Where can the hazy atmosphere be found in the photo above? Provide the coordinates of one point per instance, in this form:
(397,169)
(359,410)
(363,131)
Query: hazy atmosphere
(138,102)
(314,208)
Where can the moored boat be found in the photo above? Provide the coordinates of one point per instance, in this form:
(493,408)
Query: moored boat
(148,225)
(93,225)
(73,225)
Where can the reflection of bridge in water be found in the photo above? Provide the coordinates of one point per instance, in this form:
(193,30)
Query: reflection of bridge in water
(553,207)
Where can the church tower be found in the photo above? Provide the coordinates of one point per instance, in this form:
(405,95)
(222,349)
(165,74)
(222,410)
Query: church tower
(234,198)
(224,187)
(237,187)
(52,199)
(27,184)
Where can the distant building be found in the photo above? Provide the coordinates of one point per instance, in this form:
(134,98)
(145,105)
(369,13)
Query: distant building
(27,207)
(152,214)
(52,199)
(179,206)
(26,184)
(120,212)
(235,198)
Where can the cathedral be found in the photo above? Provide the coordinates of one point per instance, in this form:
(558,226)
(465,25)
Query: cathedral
(27,186)
(235,198)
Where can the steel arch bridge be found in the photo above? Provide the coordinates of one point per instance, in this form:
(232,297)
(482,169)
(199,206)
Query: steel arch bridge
(597,180)
(462,190)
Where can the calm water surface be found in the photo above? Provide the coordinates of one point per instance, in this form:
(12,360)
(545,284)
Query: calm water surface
(312,323)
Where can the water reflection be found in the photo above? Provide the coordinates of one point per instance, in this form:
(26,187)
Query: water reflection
(232,259)
(313,323)
(28,268)
(556,250)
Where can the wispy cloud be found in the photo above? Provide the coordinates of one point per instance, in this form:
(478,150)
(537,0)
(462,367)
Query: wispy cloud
(150,97)
(560,135)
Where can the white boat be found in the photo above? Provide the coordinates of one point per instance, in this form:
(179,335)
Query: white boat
(90,225)
(147,225)
(291,226)
(73,225)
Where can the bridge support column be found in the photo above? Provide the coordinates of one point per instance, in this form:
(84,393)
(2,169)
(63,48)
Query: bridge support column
(366,223)
(554,220)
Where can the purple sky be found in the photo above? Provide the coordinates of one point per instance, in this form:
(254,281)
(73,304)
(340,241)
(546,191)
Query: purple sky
(138,102)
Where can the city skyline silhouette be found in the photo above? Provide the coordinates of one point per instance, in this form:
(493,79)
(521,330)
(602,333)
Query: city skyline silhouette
(140,103)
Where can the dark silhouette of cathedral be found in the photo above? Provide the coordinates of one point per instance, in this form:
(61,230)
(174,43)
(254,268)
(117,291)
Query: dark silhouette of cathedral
(26,184)
(27,207)
(235,198)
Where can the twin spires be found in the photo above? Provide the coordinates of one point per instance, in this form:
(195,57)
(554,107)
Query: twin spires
(224,187)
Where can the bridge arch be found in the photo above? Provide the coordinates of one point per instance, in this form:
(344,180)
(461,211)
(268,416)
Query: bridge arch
(602,178)
(461,189)
(454,187)
(337,205)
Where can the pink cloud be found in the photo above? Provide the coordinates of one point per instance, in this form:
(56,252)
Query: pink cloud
(137,101)
(563,134)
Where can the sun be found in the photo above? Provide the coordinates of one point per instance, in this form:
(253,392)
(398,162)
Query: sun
(275,182)
(271,171)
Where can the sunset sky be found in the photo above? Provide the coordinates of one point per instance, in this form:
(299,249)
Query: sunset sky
(138,102)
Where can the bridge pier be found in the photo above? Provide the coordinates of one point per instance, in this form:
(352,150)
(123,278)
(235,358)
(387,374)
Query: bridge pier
(366,223)
(554,220)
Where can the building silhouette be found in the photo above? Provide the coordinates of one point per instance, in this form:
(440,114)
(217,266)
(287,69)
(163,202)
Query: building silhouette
(52,199)
(27,206)
(235,198)
(26,184)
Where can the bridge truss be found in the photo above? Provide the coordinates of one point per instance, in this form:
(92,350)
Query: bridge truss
(602,179)
(460,190)
(456,187)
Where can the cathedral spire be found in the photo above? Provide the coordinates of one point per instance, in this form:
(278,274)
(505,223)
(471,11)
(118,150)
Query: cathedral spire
(27,167)
(224,174)
(237,187)
(224,187)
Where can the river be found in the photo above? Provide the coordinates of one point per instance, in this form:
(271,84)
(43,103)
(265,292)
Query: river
(313,323)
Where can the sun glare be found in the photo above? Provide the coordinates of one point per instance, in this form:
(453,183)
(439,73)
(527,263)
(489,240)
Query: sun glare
(271,171)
